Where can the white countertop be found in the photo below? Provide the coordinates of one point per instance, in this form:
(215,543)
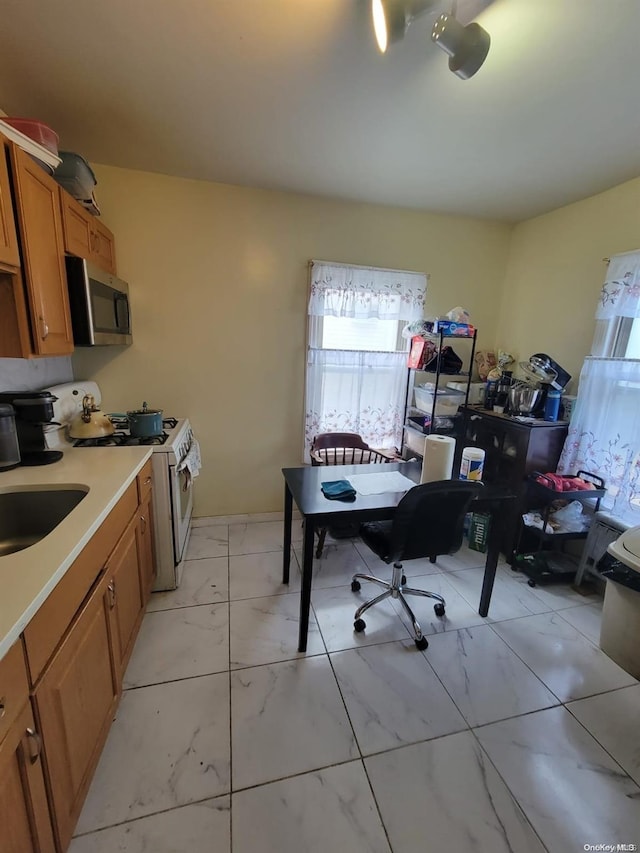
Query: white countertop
(27,577)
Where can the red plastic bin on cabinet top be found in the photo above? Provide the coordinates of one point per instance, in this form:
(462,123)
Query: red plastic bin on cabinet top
(36,130)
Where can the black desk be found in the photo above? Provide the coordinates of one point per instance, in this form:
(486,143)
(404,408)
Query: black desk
(302,485)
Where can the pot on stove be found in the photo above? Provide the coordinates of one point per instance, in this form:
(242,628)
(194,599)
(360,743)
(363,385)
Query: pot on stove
(145,422)
(92,423)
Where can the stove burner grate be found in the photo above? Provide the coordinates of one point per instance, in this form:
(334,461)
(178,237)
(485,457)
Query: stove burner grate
(120,439)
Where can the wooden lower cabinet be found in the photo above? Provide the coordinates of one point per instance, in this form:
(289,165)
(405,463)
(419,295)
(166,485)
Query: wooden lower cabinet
(75,702)
(77,647)
(126,604)
(24,813)
(144,533)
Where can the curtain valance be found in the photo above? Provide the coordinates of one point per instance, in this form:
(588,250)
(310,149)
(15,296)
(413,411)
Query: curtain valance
(360,292)
(620,294)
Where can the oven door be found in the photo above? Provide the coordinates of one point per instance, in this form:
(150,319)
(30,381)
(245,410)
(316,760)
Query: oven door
(182,508)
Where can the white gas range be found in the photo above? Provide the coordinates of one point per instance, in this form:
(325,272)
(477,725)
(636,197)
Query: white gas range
(172,472)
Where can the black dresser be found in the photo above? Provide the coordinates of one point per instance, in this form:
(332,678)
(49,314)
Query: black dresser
(513,450)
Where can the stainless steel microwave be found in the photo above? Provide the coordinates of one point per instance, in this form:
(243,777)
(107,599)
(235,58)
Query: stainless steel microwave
(99,303)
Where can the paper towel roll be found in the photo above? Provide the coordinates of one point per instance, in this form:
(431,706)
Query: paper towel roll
(437,463)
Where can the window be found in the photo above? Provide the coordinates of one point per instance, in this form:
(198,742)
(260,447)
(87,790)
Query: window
(357,356)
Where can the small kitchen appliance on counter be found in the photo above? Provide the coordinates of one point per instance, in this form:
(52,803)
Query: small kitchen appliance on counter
(546,374)
(172,476)
(9,448)
(33,413)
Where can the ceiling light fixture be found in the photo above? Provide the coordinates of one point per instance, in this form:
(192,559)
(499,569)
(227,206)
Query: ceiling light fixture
(467,46)
(391,18)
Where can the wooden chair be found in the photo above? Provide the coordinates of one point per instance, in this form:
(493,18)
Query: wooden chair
(343,448)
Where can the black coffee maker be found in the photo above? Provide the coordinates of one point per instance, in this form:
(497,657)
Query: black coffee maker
(33,411)
(547,373)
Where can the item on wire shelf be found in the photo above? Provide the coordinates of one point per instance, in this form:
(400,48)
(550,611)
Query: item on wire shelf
(566,483)
(451,330)
(338,490)
(472,463)
(459,315)
(450,361)
(446,401)
(421,353)
(437,462)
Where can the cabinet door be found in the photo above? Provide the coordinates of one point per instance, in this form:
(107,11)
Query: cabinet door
(9,254)
(24,812)
(144,532)
(76,224)
(103,247)
(40,227)
(125,594)
(75,701)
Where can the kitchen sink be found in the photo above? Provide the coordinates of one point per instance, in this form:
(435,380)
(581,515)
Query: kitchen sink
(28,516)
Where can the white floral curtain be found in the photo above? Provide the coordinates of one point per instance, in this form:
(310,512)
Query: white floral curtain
(361,292)
(604,435)
(359,392)
(356,390)
(620,294)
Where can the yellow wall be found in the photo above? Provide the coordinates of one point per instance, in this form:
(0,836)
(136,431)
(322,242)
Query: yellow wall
(218,278)
(555,273)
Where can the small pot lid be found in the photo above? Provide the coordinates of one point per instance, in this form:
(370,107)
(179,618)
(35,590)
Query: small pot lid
(144,411)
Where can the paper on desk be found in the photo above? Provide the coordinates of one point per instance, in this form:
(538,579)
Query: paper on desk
(379,484)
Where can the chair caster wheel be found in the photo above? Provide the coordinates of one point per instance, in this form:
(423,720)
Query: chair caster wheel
(318,553)
(359,625)
(531,582)
(422,643)
(438,609)
(403,580)
(355,586)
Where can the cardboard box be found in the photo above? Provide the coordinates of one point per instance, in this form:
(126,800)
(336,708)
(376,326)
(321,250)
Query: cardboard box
(451,329)
(479,532)
(421,352)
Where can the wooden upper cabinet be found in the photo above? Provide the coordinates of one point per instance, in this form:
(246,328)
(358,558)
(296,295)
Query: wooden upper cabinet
(40,228)
(9,254)
(85,236)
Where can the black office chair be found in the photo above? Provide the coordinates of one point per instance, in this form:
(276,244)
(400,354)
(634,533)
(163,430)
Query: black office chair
(428,522)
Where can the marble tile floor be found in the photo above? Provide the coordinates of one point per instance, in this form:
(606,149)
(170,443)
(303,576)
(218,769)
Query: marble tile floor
(509,733)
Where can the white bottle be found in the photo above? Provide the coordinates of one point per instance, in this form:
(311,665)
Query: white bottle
(472,463)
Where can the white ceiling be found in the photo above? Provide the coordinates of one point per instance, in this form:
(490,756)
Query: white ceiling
(293,95)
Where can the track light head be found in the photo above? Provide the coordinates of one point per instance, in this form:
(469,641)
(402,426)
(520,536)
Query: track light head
(467,46)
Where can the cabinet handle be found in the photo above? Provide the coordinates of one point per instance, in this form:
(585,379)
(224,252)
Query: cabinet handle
(147,482)
(144,523)
(111,586)
(44,328)
(3,706)
(35,745)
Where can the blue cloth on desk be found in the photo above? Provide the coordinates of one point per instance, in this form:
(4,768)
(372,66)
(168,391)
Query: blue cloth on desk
(338,490)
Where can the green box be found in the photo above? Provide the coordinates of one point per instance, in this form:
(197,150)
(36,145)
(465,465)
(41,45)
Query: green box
(479,531)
